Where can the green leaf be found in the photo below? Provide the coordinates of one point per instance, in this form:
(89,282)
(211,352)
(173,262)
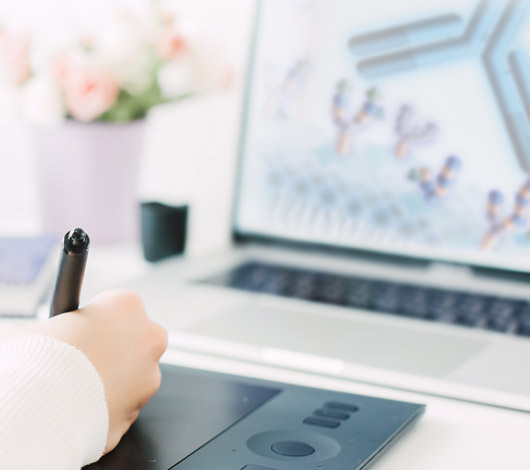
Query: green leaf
(129,107)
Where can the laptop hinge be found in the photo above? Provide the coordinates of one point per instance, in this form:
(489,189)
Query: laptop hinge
(454,272)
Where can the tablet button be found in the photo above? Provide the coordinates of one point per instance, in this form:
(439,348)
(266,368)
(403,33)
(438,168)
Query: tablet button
(326,423)
(256,467)
(331,413)
(292,448)
(341,406)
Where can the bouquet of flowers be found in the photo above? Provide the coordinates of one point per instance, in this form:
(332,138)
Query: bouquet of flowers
(114,76)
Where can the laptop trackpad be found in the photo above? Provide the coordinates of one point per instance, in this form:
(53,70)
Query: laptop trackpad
(350,339)
(500,366)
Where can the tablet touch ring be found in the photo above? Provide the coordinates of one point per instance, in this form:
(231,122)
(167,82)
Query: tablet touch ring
(294,445)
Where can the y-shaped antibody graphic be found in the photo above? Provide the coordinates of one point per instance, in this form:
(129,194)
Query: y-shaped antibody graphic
(501,226)
(440,186)
(410,133)
(343,118)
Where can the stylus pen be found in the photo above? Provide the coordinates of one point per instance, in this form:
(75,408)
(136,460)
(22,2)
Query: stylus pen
(71,272)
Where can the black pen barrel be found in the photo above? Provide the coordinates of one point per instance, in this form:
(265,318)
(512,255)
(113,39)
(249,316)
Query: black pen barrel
(71,272)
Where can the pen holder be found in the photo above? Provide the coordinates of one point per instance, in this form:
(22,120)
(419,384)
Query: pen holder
(163,230)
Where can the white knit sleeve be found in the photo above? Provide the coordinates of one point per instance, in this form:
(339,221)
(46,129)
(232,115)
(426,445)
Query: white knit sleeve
(53,413)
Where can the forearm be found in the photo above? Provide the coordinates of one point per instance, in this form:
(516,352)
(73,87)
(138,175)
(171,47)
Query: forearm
(53,413)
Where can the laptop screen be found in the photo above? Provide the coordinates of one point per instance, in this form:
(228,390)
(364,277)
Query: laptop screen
(395,127)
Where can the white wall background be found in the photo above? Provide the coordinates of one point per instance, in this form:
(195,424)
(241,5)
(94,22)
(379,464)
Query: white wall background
(190,147)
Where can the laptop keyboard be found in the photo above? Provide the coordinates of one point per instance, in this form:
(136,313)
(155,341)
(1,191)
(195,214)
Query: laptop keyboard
(501,314)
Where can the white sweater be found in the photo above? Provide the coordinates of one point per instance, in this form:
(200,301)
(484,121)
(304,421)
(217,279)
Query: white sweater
(53,413)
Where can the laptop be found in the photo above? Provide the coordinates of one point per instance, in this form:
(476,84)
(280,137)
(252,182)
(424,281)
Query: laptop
(381,224)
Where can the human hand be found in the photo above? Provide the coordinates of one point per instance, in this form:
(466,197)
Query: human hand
(124,346)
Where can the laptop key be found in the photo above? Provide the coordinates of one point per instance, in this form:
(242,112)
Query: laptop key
(358,294)
(472,305)
(471,318)
(504,324)
(524,324)
(480,322)
(446,316)
(303,284)
(331,289)
(386,304)
(385,297)
(502,308)
(413,302)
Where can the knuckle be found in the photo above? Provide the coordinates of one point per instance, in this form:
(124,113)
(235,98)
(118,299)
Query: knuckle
(129,302)
(159,339)
(122,299)
(131,298)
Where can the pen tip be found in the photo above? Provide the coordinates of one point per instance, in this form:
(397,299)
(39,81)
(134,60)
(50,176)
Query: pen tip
(78,237)
(76,240)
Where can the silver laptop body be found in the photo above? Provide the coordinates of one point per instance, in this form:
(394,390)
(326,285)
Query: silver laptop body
(362,162)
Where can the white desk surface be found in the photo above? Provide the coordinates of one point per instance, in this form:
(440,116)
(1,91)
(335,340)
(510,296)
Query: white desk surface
(451,434)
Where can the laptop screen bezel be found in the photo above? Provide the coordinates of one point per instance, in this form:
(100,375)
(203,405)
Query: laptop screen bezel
(381,255)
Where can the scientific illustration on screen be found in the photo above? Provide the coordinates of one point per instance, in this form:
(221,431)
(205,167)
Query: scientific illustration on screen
(408,129)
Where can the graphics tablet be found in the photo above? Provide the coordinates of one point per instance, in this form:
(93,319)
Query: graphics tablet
(204,420)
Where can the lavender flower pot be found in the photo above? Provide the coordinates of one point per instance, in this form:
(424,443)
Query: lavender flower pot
(87,177)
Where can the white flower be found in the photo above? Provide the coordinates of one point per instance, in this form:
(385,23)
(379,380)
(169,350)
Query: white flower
(175,78)
(125,48)
(135,76)
(43,102)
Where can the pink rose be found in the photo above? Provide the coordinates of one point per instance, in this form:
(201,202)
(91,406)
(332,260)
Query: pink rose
(15,51)
(89,92)
(171,44)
